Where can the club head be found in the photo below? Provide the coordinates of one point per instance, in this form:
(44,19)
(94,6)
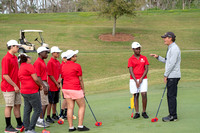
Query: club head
(154,119)
(132,115)
(98,123)
(60,121)
(45,131)
(22,129)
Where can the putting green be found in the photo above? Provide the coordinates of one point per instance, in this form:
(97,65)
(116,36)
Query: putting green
(112,110)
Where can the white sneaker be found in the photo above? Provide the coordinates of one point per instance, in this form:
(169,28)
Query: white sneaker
(41,124)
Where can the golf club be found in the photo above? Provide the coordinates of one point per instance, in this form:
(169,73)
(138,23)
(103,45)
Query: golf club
(134,104)
(156,119)
(97,123)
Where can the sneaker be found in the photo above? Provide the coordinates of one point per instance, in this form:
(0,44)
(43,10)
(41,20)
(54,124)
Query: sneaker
(55,118)
(49,120)
(169,118)
(144,114)
(71,130)
(20,128)
(10,129)
(30,131)
(41,124)
(137,115)
(63,117)
(83,129)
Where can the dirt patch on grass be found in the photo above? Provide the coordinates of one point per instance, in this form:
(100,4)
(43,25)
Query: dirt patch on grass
(119,37)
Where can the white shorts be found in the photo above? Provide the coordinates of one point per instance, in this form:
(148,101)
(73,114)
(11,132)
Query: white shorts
(143,86)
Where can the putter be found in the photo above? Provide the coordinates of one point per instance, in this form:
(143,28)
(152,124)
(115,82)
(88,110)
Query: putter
(97,123)
(134,104)
(156,119)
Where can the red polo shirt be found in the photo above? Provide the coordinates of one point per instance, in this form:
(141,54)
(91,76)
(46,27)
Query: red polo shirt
(61,65)
(41,68)
(28,85)
(53,67)
(138,66)
(70,73)
(9,65)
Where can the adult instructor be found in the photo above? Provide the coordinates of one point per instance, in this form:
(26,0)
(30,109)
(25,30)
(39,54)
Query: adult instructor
(172,73)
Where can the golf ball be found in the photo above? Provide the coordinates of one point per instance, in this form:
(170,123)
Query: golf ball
(129,107)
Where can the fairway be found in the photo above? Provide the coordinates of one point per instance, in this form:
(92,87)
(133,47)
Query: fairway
(104,65)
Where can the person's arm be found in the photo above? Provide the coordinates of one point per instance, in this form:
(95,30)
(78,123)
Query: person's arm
(81,83)
(59,79)
(9,80)
(43,86)
(144,74)
(133,76)
(159,58)
(35,78)
(54,80)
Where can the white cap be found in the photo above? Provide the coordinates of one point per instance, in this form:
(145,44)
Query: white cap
(13,42)
(63,55)
(55,49)
(41,49)
(70,53)
(22,54)
(136,45)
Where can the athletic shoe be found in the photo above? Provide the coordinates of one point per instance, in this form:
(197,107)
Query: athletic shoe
(71,130)
(49,120)
(144,114)
(83,129)
(169,118)
(30,131)
(55,118)
(137,115)
(63,117)
(10,129)
(20,127)
(41,124)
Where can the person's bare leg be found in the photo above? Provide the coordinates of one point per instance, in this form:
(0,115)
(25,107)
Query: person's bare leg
(16,110)
(42,114)
(49,109)
(144,101)
(81,111)
(136,97)
(70,107)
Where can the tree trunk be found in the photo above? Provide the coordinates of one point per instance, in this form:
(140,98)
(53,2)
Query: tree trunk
(15,1)
(114,25)
(183,4)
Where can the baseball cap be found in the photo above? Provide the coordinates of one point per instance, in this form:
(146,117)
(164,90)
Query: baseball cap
(136,45)
(70,53)
(13,42)
(63,55)
(55,49)
(41,49)
(169,34)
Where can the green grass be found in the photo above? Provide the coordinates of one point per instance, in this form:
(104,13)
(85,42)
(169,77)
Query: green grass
(104,64)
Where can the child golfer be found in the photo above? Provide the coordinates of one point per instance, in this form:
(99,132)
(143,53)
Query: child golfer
(73,89)
(10,86)
(30,86)
(138,68)
(41,71)
(54,79)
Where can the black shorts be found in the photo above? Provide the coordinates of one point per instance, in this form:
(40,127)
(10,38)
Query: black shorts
(53,97)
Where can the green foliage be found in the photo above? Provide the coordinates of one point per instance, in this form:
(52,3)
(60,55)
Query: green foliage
(117,8)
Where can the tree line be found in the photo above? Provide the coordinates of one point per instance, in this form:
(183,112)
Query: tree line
(54,6)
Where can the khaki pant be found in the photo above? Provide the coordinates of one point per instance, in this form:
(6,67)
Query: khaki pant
(12,98)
